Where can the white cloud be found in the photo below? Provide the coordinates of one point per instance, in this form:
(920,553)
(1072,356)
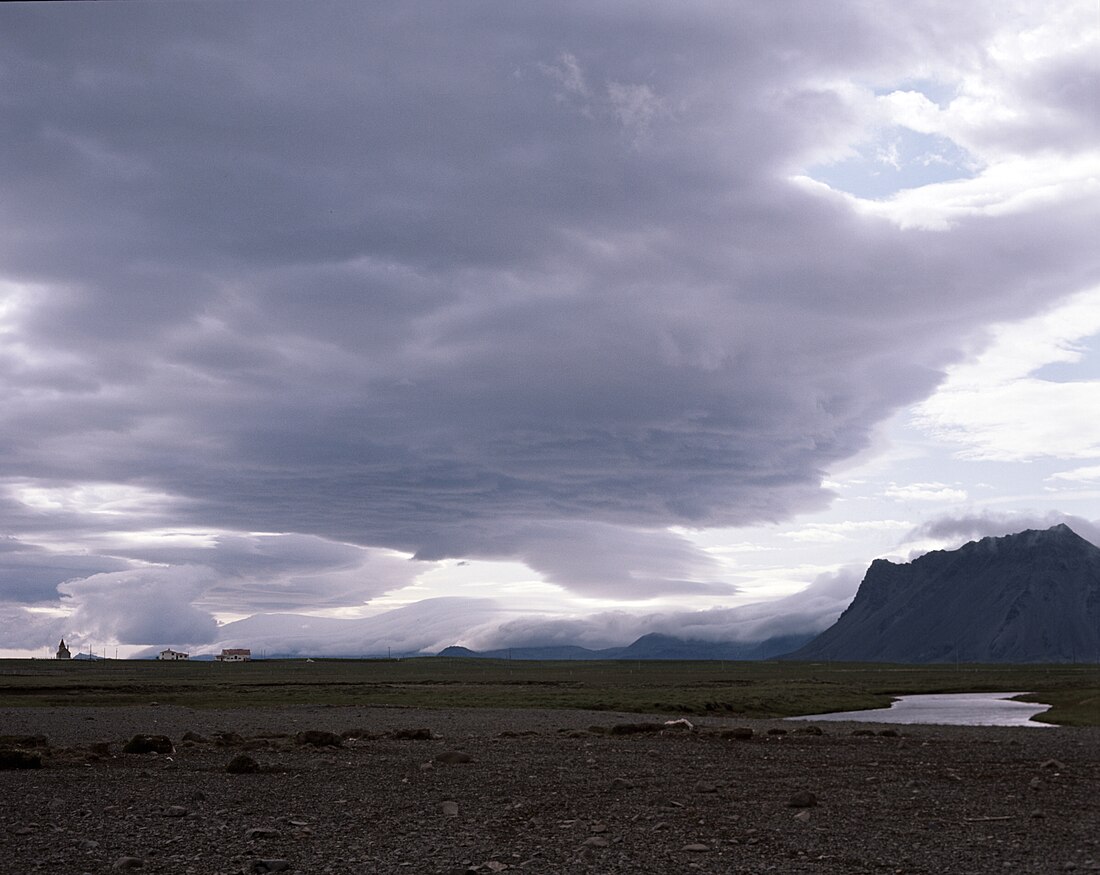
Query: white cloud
(1086,474)
(844,531)
(993,408)
(146,606)
(924,492)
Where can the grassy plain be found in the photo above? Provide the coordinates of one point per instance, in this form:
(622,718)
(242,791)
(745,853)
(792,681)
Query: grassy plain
(735,689)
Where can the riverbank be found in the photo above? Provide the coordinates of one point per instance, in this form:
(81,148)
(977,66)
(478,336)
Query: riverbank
(543,791)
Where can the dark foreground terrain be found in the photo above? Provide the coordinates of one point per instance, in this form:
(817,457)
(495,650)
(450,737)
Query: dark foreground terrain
(544,791)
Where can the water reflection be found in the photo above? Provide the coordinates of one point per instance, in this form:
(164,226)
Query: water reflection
(957,709)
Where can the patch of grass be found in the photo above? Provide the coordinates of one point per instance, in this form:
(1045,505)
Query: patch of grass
(733,689)
(1073,706)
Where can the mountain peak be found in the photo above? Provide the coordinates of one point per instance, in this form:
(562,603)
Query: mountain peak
(1033,596)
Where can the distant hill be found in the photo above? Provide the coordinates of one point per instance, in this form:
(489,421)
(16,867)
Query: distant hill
(652,646)
(1028,597)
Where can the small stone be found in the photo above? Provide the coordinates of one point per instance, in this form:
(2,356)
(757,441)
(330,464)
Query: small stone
(595,842)
(19,759)
(802,799)
(1035,783)
(889,733)
(621,784)
(695,847)
(741,733)
(1055,765)
(635,728)
(319,738)
(777,731)
(261,832)
(418,734)
(453,757)
(449,808)
(598,828)
(803,816)
(1037,815)
(128,863)
(194,737)
(863,733)
(705,787)
(175,811)
(88,844)
(260,866)
(242,764)
(148,744)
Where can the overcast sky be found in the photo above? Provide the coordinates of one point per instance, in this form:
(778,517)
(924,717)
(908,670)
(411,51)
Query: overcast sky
(498,323)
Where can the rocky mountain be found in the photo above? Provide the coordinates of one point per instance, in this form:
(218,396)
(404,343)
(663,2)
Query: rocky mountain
(1028,597)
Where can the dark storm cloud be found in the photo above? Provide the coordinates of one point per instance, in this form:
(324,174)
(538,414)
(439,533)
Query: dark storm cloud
(29,574)
(463,279)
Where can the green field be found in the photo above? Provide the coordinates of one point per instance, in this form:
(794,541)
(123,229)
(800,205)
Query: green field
(734,689)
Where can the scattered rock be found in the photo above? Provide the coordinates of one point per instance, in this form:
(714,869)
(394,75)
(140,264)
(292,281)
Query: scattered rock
(705,787)
(148,744)
(88,844)
(11,758)
(802,799)
(242,764)
(682,724)
(260,866)
(195,737)
(261,832)
(810,730)
(595,842)
(621,784)
(419,734)
(175,811)
(775,730)
(1035,783)
(1055,765)
(634,728)
(803,816)
(449,808)
(453,757)
(741,733)
(889,733)
(863,732)
(319,738)
(696,848)
(24,741)
(128,863)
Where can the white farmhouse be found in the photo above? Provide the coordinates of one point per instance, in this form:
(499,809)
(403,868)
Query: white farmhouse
(172,655)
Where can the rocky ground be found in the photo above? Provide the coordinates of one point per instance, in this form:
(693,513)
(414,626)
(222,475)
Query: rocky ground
(538,791)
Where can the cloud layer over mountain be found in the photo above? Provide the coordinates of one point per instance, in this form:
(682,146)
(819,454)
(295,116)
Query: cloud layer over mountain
(290,292)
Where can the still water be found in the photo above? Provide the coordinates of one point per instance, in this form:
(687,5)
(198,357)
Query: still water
(958,709)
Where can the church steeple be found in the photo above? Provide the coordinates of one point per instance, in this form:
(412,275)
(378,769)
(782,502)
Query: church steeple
(63,651)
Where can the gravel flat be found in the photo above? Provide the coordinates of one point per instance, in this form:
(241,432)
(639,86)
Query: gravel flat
(539,791)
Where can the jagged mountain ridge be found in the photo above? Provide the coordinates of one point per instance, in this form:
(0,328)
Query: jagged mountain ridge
(1028,597)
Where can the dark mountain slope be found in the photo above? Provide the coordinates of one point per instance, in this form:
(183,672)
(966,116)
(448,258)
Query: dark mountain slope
(1029,597)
